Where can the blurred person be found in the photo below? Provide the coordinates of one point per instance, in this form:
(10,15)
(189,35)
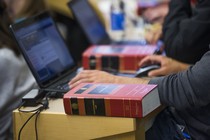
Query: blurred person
(19,9)
(15,77)
(157,13)
(186,30)
(154,14)
(185,96)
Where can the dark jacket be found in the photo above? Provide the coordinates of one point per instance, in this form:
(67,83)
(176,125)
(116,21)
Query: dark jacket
(189,93)
(187,33)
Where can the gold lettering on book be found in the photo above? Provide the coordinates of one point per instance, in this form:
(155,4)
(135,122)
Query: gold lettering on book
(94,107)
(137,111)
(75,106)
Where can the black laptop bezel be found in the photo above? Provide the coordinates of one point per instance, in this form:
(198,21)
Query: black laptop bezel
(16,26)
(106,39)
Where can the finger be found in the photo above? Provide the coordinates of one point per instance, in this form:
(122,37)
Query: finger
(72,85)
(144,62)
(73,80)
(81,75)
(151,59)
(79,82)
(156,72)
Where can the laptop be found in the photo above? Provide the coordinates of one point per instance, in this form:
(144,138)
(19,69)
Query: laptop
(92,26)
(45,52)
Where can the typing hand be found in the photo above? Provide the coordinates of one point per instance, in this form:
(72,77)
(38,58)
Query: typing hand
(92,76)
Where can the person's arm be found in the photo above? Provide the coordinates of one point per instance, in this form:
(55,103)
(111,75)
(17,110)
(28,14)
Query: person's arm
(187,89)
(185,33)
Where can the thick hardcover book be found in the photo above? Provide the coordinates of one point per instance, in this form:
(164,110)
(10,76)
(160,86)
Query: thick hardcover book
(119,58)
(115,100)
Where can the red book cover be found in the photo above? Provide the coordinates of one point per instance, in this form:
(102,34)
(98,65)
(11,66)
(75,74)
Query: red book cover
(119,58)
(116,100)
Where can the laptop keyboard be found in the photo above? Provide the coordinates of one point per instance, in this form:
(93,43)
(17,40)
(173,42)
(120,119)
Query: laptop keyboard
(63,84)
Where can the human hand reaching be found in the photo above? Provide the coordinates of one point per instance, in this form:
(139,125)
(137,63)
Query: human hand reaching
(168,65)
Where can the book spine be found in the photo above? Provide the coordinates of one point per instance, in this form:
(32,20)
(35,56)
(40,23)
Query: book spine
(85,61)
(67,106)
(103,107)
(89,60)
(127,108)
(108,62)
(130,62)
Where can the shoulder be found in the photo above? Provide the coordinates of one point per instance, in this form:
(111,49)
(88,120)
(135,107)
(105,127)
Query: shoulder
(7,54)
(8,57)
(14,67)
(9,62)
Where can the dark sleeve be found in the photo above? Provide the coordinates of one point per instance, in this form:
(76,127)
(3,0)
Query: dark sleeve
(186,34)
(187,89)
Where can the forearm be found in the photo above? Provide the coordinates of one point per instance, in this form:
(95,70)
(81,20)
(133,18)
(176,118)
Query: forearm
(184,66)
(179,66)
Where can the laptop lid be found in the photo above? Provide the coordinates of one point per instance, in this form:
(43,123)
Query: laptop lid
(43,48)
(89,21)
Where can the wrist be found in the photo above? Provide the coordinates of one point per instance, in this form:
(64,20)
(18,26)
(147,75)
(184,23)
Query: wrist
(182,66)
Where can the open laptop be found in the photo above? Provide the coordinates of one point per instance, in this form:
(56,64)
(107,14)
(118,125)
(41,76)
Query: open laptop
(45,52)
(92,26)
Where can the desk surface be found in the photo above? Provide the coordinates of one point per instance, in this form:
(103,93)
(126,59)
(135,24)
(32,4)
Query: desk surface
(54,124)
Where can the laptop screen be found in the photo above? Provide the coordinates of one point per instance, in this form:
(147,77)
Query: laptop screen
(43,48)
(89,22)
